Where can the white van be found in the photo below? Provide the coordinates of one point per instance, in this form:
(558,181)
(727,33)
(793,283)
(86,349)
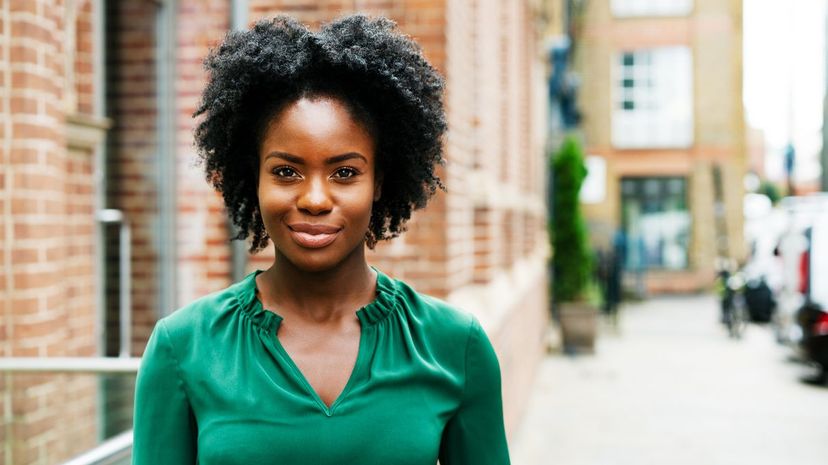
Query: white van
(802,260)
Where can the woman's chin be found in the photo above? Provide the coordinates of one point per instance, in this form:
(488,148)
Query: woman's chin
(313,261)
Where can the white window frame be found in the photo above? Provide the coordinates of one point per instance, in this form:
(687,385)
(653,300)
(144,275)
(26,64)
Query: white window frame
(652,103)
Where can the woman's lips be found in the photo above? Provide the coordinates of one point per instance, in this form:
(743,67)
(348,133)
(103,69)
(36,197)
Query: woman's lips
(313,236)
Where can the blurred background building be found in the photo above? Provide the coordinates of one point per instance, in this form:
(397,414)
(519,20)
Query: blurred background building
(107,225)
(663,125)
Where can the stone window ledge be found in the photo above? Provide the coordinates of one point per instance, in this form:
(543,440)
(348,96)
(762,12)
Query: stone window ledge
(86,132)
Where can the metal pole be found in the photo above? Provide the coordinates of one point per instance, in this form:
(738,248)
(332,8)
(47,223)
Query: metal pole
(238,249)
(166,156)
(239,16)
(125,297)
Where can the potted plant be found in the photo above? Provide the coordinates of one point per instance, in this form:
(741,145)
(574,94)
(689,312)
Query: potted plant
(572,259)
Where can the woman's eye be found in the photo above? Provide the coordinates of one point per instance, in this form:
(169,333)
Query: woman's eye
(284,172)
(344,173)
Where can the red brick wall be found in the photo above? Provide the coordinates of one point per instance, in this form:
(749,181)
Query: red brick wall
(46,232)
(84,57)
(203,247)
(132,163)
(466,238)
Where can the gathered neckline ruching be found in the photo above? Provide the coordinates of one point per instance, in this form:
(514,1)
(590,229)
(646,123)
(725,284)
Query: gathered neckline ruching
(251,307)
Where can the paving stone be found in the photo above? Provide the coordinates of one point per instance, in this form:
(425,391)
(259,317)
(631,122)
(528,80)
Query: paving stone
(667,386)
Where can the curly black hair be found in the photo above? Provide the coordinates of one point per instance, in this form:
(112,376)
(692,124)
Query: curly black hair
(376,71)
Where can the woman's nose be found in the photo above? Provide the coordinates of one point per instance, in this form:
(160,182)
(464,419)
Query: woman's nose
(315,197)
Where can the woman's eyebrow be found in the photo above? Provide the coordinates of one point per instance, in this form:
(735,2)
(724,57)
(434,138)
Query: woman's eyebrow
(329,161)
(286,157)
(345,156)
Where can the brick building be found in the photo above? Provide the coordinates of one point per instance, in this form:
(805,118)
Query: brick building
(663,124)
(96,99)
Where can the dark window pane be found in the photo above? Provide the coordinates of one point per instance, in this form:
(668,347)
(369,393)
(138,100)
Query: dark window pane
(627,59)
(675,186)
(656,223)
(652,187)
(628,83)
(628,105)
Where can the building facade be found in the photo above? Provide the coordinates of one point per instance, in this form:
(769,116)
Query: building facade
(96,154)
(663,124)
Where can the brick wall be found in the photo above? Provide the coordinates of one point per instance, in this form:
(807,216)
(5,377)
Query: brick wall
(203,250)
(132,163)
(481,245)
(47,231)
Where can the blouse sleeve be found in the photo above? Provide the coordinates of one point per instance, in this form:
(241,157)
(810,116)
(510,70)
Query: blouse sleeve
(475,435)
(164,430)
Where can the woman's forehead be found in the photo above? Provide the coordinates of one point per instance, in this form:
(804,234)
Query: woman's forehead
(318,126)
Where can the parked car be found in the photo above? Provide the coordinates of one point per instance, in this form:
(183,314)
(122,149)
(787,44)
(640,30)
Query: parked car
(812,317)
(793,262)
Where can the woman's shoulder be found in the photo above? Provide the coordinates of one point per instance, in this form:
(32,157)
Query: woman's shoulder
(443,329)
(433,313)
(202,313)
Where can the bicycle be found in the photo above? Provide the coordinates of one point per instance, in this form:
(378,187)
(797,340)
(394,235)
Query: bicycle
(734,307)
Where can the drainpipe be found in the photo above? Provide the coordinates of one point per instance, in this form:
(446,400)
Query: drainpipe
(100,169)
(112,216)
(166,156)
(238,249)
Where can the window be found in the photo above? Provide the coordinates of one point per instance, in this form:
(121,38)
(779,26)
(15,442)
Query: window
(629,8)
(656,223)
(653,101)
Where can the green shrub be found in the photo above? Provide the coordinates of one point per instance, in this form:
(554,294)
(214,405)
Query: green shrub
(572,259)
(769,189)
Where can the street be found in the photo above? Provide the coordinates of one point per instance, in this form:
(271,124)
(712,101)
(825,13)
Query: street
(669,387)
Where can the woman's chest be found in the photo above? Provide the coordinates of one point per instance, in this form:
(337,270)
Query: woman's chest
(258,407)
(378,432)
(324,358)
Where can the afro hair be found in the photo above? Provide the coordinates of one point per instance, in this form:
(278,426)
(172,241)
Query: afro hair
(379,73)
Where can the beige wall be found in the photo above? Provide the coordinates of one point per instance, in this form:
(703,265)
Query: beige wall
(713,32)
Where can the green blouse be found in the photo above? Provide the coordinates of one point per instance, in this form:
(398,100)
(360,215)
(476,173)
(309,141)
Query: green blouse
(216,387)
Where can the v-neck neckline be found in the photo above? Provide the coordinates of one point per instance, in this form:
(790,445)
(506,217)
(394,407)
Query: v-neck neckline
(328,410)
(369,315)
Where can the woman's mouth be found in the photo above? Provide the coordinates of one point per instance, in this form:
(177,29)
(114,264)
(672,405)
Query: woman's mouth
(313,236)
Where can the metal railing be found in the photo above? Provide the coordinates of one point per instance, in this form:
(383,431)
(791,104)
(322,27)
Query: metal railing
(86,365)
(114,451)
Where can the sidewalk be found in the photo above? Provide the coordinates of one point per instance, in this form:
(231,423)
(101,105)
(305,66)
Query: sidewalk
(669,388)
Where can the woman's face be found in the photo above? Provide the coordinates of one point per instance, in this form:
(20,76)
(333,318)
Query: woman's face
(316,183)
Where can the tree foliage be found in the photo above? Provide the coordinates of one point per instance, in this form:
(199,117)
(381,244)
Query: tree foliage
(572,259)
(769,189)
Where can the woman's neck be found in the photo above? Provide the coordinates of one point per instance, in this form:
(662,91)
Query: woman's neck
(323,296)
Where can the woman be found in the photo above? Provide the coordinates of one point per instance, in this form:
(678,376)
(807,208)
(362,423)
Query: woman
(323,143)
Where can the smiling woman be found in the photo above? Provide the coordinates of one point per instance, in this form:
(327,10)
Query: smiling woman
(323,143)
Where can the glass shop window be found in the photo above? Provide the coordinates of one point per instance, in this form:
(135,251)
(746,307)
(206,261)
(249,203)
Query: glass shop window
(656,223)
